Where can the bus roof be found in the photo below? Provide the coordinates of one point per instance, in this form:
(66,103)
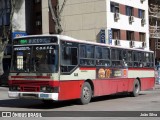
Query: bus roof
(67,38)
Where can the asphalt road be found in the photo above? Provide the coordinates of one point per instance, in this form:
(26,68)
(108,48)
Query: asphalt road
(146,101)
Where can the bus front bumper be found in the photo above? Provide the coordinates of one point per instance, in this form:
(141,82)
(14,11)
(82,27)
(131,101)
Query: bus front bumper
(34,95)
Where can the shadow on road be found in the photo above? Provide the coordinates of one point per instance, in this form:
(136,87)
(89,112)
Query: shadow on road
(38,104)
(34,104)
(111,97)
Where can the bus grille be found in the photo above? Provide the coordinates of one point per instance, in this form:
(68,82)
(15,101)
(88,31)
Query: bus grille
(30,89)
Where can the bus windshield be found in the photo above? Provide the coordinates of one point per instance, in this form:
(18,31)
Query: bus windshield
(37,58)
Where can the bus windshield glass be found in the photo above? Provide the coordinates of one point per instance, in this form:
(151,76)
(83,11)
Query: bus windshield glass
(37,58)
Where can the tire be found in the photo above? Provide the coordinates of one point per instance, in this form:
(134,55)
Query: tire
(136,88)
(86,94)
(48,102)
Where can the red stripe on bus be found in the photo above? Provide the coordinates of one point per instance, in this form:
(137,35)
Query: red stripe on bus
(43,77)
(85,68)
(33,82)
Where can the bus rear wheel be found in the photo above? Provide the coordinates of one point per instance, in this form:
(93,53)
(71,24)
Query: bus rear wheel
(86,94)
(136,88)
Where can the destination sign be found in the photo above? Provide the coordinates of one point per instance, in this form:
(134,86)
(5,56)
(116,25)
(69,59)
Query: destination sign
(45,48)
(35,40)
(21,48)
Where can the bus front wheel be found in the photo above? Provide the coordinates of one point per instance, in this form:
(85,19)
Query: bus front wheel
(136,88)
(86,94)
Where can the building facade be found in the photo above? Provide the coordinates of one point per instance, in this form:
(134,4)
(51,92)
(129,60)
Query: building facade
(125,21)
(122,22)
(38,17)
(154,27)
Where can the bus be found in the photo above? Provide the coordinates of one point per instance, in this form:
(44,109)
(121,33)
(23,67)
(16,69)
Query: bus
(57,68)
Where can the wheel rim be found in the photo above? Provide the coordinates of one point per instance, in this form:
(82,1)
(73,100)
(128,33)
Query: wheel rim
(86,93)
(137,88)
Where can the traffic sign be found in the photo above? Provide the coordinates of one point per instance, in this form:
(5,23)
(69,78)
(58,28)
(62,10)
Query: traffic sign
(110,37)
(18,34)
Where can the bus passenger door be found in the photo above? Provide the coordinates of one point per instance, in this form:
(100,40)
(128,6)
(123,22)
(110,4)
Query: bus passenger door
(69,79)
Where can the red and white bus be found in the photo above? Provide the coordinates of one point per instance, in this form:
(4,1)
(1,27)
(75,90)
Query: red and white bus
(56,67)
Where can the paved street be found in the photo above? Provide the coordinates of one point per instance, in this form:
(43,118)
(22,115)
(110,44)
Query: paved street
(147,101)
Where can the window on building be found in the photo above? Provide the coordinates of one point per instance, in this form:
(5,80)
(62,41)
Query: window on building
(114,7)
(142,37)
(2,6)
(141,13)
(130,35)
(38,19)
(5,9)
(115,34)
(129,11)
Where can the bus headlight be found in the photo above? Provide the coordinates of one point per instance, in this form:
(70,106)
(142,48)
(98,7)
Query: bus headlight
(14,88)
(49,89)
(43,88)
(46,89)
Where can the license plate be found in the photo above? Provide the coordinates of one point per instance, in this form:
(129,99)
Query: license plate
(14,95)
(44,96)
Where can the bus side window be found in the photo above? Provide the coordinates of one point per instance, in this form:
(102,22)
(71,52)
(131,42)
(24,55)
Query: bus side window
(116,56)
(102,55)
(86,55)
(129,57)
(152,59)
(148,60)
(146,57)
(135,59)
(69,58)
(141,57)
(124,55)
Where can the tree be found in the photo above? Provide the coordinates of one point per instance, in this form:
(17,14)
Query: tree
(56,14)
(4,38)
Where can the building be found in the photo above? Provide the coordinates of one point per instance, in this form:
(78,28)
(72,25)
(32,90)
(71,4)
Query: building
(118,22)
(38,17)
(154,27)
(113,22)
(125,21)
